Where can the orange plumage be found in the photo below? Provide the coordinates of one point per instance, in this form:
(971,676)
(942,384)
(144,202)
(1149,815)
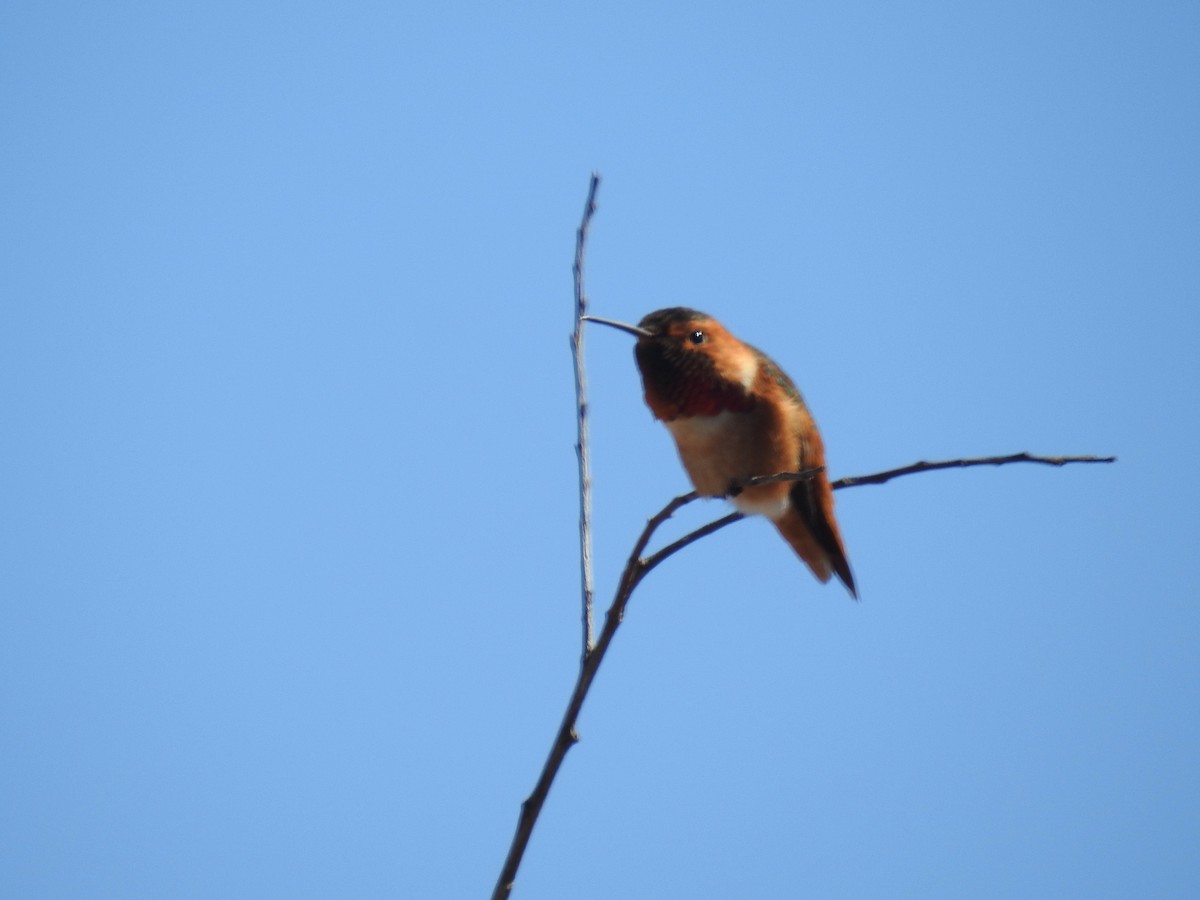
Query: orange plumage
(735,414)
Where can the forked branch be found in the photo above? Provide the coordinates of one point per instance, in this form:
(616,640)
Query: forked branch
(638,566)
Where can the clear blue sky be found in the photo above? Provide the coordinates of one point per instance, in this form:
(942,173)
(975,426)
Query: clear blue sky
(288,575)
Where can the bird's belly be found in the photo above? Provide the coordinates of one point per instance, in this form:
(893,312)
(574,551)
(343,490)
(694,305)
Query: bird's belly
(762,502)
(718,451)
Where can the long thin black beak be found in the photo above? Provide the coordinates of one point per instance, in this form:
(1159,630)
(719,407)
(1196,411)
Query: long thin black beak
(632,329)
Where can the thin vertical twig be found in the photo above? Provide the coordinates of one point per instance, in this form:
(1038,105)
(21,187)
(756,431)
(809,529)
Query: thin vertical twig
(581,442)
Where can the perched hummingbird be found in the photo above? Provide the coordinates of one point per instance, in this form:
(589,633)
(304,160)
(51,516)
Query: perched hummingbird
(734,414)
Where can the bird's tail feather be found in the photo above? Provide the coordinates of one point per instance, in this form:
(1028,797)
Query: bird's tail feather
(809,526)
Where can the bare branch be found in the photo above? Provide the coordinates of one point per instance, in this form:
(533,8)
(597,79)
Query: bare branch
(566,736)
(881,477)
(636,568)
(581,443)
(877,478)
(654,559)
(589,660)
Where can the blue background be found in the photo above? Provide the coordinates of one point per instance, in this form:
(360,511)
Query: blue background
(288,572)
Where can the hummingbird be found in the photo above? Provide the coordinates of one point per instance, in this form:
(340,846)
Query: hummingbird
(735,414)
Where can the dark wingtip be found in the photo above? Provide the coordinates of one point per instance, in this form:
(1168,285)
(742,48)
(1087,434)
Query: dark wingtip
(841,568)
(848,580)
(818,519)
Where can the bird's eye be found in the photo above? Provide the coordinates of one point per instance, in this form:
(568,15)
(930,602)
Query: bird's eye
(697,337)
